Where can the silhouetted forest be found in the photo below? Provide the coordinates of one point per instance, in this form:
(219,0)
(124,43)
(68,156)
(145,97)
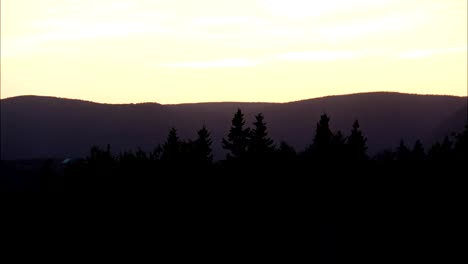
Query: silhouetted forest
(36,127)
(354,199)
(250,151)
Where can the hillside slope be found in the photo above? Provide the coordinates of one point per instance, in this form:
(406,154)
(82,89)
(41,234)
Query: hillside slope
(48,127)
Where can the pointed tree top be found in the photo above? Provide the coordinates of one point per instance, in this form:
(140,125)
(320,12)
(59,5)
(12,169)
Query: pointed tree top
(356,124)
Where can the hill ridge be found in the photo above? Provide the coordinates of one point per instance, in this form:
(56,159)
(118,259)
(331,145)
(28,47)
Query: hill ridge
(231,102)
(39,127)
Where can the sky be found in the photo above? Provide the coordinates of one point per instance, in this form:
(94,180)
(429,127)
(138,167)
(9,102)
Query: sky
(183,51)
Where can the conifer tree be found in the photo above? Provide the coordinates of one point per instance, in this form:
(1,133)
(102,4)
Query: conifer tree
(238,138)
(171,151)
(285,157)
(441,152)
(322,140)
(418,153)
(260,145)
(356,144)
(202,147)
(285,150)
(101,164)
(100,157)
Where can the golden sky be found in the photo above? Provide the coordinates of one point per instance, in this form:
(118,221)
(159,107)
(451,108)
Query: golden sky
(178,51)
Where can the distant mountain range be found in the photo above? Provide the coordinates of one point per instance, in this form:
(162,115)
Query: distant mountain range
(46,127)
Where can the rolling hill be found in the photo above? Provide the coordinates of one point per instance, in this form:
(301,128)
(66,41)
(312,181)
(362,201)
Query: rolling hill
(35,127)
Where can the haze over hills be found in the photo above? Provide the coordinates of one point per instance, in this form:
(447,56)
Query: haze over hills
(47,127)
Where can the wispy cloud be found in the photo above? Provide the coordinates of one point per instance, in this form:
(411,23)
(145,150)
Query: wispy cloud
(55,34)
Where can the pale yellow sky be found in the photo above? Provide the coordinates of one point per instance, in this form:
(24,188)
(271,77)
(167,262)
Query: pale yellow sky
(178,51)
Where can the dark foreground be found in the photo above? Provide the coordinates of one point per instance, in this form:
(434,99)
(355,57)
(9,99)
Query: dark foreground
(371,213)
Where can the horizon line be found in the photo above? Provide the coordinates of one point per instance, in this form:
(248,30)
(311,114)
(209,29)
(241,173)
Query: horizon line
(231,102)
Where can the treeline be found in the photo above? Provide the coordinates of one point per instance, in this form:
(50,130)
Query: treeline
(251,153)
(252,144)
(252,148)
(331,181)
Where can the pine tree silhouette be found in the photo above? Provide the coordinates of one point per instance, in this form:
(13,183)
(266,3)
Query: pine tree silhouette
(101,164)
(285,151)
(285,157)
(99,157)
(356,144)
(440,152)
(202,147)
(286,148)
(238,138)
(321,147)
(260,145)
(172,149)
